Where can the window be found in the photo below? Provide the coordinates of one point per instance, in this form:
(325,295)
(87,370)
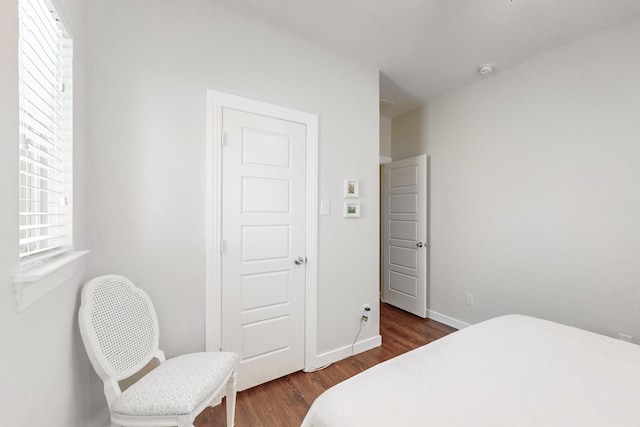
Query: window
(45,164)
(45,133)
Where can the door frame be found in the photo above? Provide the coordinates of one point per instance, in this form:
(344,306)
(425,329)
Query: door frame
(216,102)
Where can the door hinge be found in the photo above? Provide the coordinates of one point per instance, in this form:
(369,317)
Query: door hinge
(223,139)
(221,246)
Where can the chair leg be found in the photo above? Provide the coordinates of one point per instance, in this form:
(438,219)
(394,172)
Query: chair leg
(231,399)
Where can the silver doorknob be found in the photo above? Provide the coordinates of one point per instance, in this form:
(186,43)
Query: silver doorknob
(419,244)
(298,260)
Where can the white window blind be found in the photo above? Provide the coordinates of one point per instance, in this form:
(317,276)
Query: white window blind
(45,113)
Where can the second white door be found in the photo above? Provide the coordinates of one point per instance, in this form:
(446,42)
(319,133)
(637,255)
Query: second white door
(263,231)
(405,246)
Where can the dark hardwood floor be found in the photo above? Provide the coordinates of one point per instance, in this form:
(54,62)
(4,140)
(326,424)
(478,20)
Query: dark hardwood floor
(284,402)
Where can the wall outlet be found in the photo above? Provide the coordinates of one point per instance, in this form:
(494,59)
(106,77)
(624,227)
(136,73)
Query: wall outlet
(366,310)
(469,299)
(625,337)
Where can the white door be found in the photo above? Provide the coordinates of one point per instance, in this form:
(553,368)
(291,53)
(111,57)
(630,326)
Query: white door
(263,248)
(404,216)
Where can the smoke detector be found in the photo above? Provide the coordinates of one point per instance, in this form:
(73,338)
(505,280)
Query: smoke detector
(486,68)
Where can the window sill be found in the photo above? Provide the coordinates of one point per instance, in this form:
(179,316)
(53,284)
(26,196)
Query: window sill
(33,283)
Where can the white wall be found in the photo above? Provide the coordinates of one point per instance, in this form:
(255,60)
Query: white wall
(151,63)
(408,134)
(44,377)
(385,136)
(535,201)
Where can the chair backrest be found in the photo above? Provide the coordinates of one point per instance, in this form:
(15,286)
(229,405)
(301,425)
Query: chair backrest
(118,325)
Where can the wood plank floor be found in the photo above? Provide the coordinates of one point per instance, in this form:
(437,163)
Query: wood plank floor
(284,402)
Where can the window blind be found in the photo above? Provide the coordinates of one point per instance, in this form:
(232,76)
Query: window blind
(44,214)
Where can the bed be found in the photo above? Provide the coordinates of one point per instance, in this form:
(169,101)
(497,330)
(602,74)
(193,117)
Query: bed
(508,371)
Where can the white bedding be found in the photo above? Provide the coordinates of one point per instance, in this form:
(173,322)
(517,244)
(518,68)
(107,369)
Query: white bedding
(508,371)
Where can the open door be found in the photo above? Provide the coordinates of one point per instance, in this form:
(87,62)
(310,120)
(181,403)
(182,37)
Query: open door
(404,231)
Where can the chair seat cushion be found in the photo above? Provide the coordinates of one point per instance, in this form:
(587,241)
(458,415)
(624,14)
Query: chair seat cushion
(177,386)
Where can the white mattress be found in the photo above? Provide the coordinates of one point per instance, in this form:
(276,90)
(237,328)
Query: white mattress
(508,371)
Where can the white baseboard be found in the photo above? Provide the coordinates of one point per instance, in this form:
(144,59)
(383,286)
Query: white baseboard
(450,321)
(344,352)
(361,346)
(368,344)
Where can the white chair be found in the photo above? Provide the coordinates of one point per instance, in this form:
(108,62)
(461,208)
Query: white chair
(119,328)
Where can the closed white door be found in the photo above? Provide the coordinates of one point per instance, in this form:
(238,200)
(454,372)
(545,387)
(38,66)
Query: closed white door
(263,248)
(404,216)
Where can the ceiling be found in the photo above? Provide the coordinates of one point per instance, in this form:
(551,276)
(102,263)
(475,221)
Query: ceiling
(426,48)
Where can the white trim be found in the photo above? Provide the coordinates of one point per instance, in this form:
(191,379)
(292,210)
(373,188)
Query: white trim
(216,101)
(33,283)
(384,160)
(344,352)
(449,321)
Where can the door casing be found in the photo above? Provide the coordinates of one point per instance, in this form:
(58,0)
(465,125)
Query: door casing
(216,102)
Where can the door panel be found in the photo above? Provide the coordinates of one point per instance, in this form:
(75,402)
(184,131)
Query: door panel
(403,283)
(265,337)
(264,289)
(404,246)
(403,257)
(265,242)
(403,230)
(403,204)
(403,176)
(263,228)
(266,149)
(265,195)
